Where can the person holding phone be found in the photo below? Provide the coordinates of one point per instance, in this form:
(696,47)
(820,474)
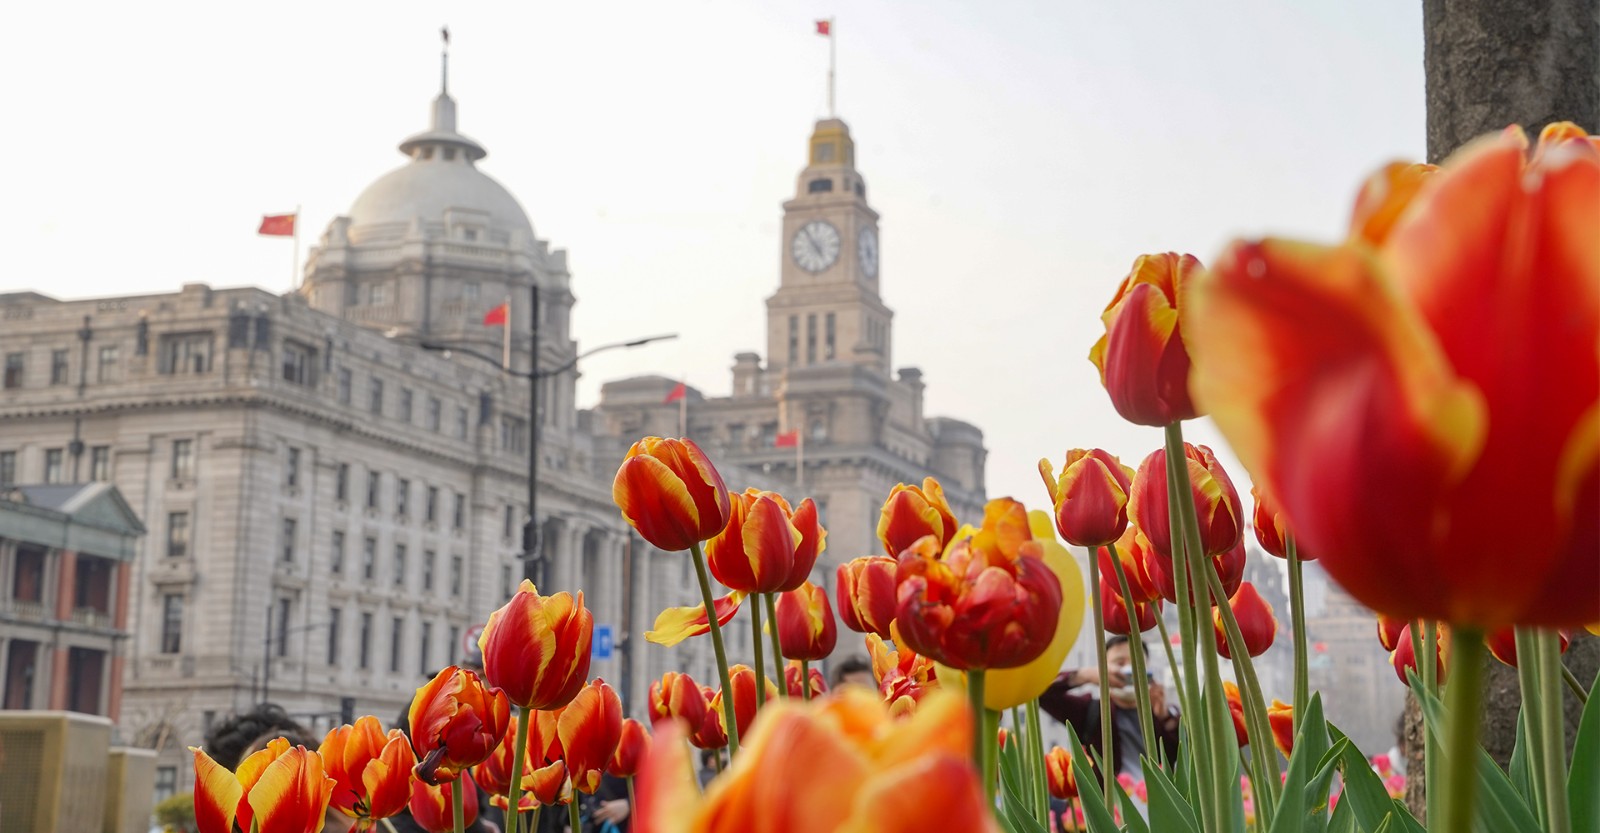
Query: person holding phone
(1081,711)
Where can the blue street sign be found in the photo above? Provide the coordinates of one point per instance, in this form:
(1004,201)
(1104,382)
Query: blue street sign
(603,645)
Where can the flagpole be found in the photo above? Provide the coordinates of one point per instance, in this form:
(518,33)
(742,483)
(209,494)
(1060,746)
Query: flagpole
(683,408)
(800,460)
(505,329)
(294,267)
(833,40)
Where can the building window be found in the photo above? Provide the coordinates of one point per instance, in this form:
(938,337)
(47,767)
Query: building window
(435,408)
(166,783)
(14,366)
(378,293)
(430,505)
(8,468)
(100,463)
(182,460)
(375,396)
(456,569)
(794,339)
(185,353)
(461,422)
(53,472)
(177,534)
(460,515)
(106,370)
(372,490)
(510,523)
(341,483)
(405,405)
(514,434)
(827,350)
(364,658)
(402,498)
(811,338)
(291,470)
(397,634)
(336,554)
(822,152)
(453,641)
(335,615)
(289,529)
(399,565)
(427,637)
(344,386)
(27,575)
(428,557)
(819,186)
(369,558)
(507,588)
(172,623)
(299,363)
(283,625)
(58,367)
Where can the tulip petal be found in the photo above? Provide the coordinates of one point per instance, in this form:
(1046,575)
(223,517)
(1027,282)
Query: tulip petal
(216,794)
(931,793)
(652,498)
(292,794)
(676,624)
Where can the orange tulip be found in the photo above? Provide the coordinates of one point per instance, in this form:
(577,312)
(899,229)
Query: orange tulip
(676,696)
(1115,609)
(860,771)
(1272,530)
(456,722)
(1236,710)
(1389,631)
(1280,716)
(631,747)
(1215,501)
(1133,551)
(1142,358)
(805,623)
(549,785)
(1382,199)
(743,679)
(911,513)
(1404,659)
(590,727)
(494,774)
(755,551)
(1229,566)
(865,590)
(1090,497)
(1058,774)
(711,734)
(991,602)
(1256,623)
(536,648)
(904,677)
(1503,644)
(430,805)
(813,542)
(676,624)
(276,789)
(669,491)
(791,680)
(1406,401)
(371,771)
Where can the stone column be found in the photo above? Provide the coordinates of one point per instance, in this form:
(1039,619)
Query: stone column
(66,574)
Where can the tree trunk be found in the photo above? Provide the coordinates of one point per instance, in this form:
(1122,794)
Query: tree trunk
(1491,63)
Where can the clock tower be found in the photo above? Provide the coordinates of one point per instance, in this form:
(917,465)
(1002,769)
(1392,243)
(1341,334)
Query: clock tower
(827,309)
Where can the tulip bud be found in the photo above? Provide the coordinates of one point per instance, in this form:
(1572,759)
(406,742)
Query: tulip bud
(590,728)
(669,491)
(911,513)
(1271,528)
(1256,623)
(791,679)
(536,648)
(1141,358)
(755,551)
(677,696)
(276,788)
(1383,198)
(631,749)
(1389,630)
(866,593)
(805,623)
(1229,566)
(1058,774)
(1133,551)
(456,722)
(1236,710)
(371,770)
(1215,500)
(549,785)
(494,774)
(904,677)
(1280,716)
(1003,737)
(1115,609)
(813,542)
(710,734)
(1503,644)
(1090,497)
(431,806)
(1404,659)
(743,679)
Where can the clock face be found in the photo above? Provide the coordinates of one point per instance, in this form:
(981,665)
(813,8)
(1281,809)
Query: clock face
(815,246)
(867,251)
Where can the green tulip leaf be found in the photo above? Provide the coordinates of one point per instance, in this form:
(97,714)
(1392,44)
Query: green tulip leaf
(1169,811)
(1500,806)
(1095,813)
(1583,777)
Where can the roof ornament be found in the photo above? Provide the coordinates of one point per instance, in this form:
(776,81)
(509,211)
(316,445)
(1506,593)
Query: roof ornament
(444,61)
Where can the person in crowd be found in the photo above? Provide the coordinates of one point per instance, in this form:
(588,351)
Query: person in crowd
(852,670)
(1081,711)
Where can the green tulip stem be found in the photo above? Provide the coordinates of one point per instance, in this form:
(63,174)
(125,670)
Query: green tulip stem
(805,681)
(1035,749)
(1463,704)
(1197,713)
(458,806)
(1528,682)
(573,818)
(519,758)
(1547,647)
(533,817)
(1108,736)
(730,718)
(1141,685)
(757,638)
(1259,729)
(1297,622)
(1574,686)
(777,647)
(983,737)
(1426,644)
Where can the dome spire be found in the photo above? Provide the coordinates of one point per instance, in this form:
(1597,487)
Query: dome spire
(442,132)
(444,61)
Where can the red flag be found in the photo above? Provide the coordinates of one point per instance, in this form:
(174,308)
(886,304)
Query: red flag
(825,28)
(679,391)
(277,225)
(498,315)
(788,439)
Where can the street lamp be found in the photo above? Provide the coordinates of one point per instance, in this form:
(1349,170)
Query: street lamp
(533,559)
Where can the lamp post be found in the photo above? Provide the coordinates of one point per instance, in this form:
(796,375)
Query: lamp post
(266,648)
(535,565)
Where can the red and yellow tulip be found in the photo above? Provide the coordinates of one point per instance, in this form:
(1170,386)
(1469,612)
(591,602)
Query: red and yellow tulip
(1133,550)
(371,771)
(1389,631)
(456,722)
(1256,622)
(1404,657)
(1280,716)
(536,648)
(430,805)
(1503,644)
(1115,609)
(865,590)
(676,624)
(590,727)
(1236,710)
(1216,502)
(1142,358)
(743,679)
(904,677)
(914,512)
(275,790)
(710,734)
(1059,777)
(1229,566)
(989,602)
(791,680)
(494,774)
(632,745)
(805,623)
(668,490)
(1420,399)
(1090,497)
(813,542)
(755,551)
(1272,530)
(676,696)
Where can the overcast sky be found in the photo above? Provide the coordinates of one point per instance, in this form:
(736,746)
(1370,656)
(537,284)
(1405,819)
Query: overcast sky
(1021,156)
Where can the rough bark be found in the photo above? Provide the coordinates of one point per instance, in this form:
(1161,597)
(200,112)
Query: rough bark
(1491,63)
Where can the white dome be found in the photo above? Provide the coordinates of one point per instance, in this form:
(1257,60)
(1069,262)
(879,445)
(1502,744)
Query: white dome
(428,188)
